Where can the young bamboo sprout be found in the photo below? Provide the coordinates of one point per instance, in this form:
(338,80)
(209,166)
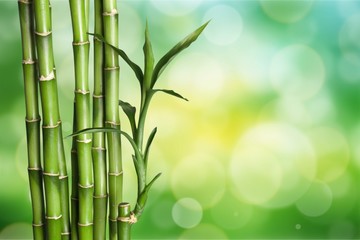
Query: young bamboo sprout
(79,16)
(32,118)
(112,120)
(98,148)
(51,119)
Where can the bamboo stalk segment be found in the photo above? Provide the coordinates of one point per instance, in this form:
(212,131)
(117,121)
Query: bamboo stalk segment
(32,119)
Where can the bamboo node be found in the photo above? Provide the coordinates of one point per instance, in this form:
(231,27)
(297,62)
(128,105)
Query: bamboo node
(115,174)
(85,224)
(52,126)
(84,141)
(65,234)
(74,198)
(111,68)
(25,1)
(112,13)
(98,96)
(49,77)
(38,224)
(80,43)
(43,34)
(34,169)
(53,218)
(63,177)
(112,220)
(112,123)
(84,92)
(87,186)
(100,196)
(131,219)
(51,174)
(32,120)
(28,61)
(99,148)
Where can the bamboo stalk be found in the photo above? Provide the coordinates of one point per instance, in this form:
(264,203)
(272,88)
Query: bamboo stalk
(111,79)
(124,221)
(79,16)
(98,148)
(74,184)
(51,118)
(32,118)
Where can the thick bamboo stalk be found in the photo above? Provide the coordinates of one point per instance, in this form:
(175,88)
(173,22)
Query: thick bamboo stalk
(79,16)
(51,118)
(98,148)
(124,221)
(111,75)
(32,118)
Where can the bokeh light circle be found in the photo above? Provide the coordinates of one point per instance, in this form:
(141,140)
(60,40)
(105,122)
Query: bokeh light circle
(200,176)
(349,38)
(231,213)
(297,71)
(204,231)
(273,164)
(286,11)
(175,7)
(187,213)
(226,25)
(17,231)
(203,73)
(316,201)
(332,152)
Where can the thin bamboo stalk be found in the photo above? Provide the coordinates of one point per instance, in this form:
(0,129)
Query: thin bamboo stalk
(79,16)
(98,148)
(32,118)
(111,75)
(51,118)
(74,185)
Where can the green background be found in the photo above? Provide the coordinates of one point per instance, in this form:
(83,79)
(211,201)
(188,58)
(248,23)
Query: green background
(268,145)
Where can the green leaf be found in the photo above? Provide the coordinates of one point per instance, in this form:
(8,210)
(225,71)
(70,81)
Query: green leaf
(148,58)
(166,59)
(170,92)
(114,130)
(130,111)
(142,198)
(137,70)
(148,144)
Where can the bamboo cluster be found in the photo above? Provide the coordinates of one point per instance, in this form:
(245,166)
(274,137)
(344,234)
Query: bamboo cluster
(96,158)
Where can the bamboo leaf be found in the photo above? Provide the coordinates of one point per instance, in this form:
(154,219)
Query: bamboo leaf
(114,130)
(148,58)
(137,70)
(142,198)
(169,56)
(148,144)
(130,111)
(170,92)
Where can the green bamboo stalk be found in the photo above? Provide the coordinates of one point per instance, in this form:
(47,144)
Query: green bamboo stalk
(32,118)
(79,16)
(124,221)
(98,148)
(111,79)
(74,185)
(51,126)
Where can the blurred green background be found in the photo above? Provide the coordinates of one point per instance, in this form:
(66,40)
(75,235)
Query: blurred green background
(268,145)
